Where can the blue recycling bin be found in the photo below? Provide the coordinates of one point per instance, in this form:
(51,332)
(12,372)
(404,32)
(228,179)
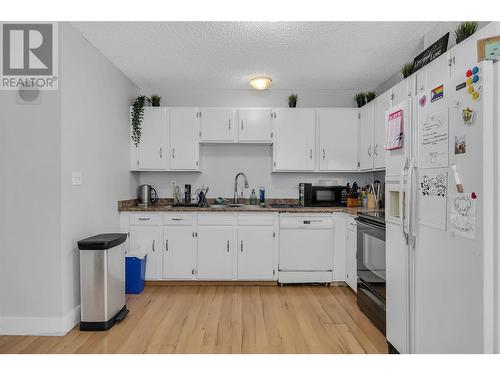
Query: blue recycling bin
(135,270)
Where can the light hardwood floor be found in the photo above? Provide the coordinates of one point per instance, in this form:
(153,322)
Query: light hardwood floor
(224,319)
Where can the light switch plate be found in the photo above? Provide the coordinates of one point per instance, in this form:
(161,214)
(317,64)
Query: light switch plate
(76,178)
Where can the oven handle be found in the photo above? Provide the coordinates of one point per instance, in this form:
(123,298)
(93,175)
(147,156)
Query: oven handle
(369,225)
(401,200)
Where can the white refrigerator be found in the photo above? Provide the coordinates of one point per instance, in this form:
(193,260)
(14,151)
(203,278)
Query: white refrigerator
(440,213)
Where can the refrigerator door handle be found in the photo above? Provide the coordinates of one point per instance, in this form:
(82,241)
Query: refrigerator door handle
(401,200)
(409,202)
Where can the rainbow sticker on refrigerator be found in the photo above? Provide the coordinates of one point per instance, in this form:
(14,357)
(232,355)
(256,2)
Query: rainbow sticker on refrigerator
(437,93)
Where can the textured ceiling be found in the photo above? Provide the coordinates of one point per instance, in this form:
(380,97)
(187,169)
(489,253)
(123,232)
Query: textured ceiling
(224,55)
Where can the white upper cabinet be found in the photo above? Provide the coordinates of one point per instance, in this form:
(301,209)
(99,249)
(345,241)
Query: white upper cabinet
(380,104)
(217,124)
(294,142)
(399,93)
(365,153)
(184,141)
(254,125)
(338,139)
(153,147)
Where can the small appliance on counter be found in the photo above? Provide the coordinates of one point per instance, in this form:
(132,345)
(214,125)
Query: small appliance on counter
(322,196)
(146,196)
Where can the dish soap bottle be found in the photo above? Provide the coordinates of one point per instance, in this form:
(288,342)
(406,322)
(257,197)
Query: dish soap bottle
(253,198)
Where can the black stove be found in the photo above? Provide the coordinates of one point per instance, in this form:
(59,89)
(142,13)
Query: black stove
(373,216)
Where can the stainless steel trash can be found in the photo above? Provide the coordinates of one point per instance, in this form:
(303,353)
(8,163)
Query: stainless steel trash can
(102,281)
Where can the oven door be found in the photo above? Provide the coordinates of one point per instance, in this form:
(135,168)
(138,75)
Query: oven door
(370,256)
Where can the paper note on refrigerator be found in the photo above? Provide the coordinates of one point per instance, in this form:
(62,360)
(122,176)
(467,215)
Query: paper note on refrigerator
(395,131)
(432,198)
(463,215)
(433,140)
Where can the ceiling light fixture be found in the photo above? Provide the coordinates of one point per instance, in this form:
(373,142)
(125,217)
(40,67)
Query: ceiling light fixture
(261,83)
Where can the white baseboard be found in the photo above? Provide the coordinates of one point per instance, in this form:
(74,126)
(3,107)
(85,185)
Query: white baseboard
(39,326)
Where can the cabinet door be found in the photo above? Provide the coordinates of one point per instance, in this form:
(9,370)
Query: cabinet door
(338,139)
(215,252)
(217,124)
(438,72)
(184,141)
(381,104)
(179,259)
(149,238)
(154,144)
(254,125)
(294,141)
(255,253)
(402,91)
(351,277)
(339,247)
(366,136)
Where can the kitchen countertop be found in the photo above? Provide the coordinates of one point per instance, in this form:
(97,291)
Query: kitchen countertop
(165,205)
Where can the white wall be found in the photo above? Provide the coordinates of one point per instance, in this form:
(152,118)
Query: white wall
(95,97)
(253,98)
(81,127)
(220,164)
(30,272)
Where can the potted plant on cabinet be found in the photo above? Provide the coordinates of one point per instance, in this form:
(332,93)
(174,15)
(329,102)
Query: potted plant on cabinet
(155,100)
(136,116)
(370,95)
(360,99)
(407,70)
(464,30)
(292,101)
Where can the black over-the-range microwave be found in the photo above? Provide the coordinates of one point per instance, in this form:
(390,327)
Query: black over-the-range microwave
(322,196)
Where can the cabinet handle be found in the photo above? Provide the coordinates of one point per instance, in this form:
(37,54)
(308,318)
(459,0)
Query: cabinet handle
(241,246)
(177,219)
(144,218)
(375,150)
(166,245)
(311,153)
(192,271)
(241,124)
(173,153)
(229,124)
(161,152)
(370,150)
(228,246)
(153,245)
(324,155)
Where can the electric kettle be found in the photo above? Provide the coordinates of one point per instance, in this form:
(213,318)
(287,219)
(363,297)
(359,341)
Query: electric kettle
(146,195)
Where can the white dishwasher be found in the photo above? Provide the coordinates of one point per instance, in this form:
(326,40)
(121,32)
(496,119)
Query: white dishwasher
(306,248)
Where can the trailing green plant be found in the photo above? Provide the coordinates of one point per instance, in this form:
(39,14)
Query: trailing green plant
(137,115)
(370,95)
(464,30)
(407,70)
(155,100)
(360,99)
(292,100)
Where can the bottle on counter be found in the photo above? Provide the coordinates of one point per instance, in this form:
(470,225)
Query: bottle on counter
(262,196)
(253,198)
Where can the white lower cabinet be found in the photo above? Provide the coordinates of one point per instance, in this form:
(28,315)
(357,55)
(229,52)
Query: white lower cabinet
(179,258)
(255,253)
(351,277)
(215,255)
(339,247)
(145,233)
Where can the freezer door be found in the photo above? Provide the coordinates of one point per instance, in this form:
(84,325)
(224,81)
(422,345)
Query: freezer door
(447,310)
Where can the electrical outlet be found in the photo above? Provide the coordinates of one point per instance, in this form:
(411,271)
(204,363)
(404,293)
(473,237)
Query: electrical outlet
(76,178)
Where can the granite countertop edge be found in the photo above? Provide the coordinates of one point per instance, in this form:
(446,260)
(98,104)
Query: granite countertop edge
(164,205)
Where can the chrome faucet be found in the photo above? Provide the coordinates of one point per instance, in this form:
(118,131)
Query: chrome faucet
(236,186)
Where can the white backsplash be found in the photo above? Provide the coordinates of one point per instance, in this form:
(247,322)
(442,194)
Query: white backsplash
(221,162)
